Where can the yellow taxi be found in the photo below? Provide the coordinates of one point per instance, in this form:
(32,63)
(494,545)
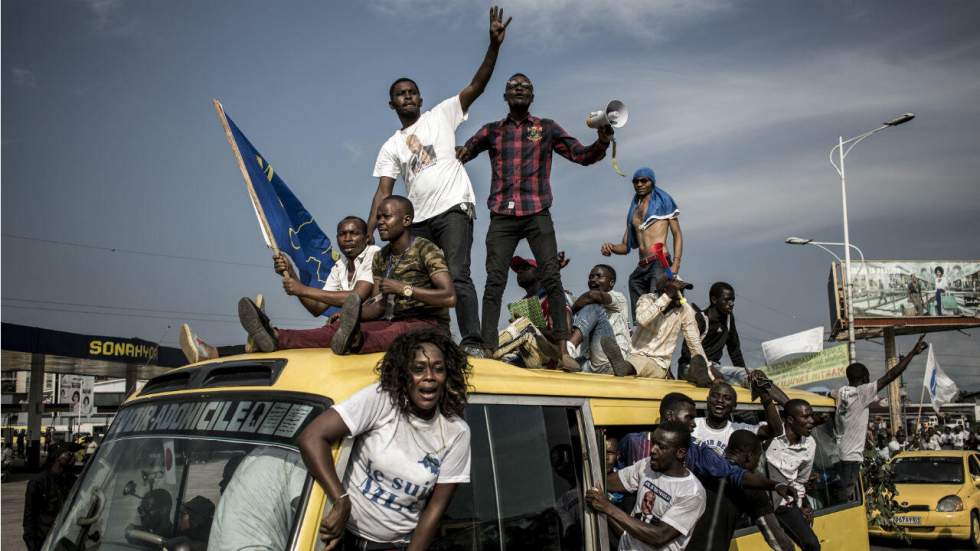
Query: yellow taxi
(940,491)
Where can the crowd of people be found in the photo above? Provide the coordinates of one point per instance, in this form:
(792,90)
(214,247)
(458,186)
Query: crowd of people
(698,474)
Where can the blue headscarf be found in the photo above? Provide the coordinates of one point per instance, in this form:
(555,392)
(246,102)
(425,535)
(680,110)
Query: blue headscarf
(661,207)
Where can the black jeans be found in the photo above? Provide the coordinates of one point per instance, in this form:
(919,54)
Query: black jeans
(643,280)
(797,528)
(452,231)
(502,238)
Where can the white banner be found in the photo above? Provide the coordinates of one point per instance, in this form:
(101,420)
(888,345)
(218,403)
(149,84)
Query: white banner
(942,389)
(804,342)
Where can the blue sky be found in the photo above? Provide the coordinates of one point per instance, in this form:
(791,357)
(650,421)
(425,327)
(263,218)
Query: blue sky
(123,212)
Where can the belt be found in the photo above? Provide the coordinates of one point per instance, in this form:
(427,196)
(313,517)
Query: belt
(353,542)
(644,262)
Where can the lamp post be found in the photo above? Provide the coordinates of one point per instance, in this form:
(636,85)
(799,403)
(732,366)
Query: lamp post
(839,167)
(850,309)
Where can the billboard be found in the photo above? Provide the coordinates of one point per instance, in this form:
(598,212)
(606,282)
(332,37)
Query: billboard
(909,295)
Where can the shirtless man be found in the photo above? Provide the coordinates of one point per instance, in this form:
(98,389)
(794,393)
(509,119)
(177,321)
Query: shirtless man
(652,212)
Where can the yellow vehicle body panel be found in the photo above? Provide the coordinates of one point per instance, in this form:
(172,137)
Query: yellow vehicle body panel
(931,524)
(613,401)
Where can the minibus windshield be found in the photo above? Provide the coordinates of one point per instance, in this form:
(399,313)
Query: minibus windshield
(206,473)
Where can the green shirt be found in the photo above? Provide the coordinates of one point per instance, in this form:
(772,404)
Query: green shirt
(414,267)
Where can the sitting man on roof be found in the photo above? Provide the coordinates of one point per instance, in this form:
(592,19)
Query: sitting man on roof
(351,273)
(411,281)
(530,340)
(659,322)
(599,314)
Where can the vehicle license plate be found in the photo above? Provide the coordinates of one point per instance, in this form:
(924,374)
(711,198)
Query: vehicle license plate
(906,519)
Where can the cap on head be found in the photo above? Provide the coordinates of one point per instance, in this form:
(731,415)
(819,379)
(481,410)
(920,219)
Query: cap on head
(519,262)
(645,172)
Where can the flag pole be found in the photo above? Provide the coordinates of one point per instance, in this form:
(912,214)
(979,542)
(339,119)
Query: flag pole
(918,418)
(263,222)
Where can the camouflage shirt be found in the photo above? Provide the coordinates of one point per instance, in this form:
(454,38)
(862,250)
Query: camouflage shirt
(415,266)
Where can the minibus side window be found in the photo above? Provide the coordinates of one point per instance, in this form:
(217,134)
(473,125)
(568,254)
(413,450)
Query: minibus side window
(526,489)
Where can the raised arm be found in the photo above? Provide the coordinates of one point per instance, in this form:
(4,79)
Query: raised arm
(896,372)
(477,144)
(675,230)
(498,30)
(385,186)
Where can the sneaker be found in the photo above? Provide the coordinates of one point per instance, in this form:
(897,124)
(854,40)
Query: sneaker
(250,342)
(697,372)
(256,324)
(194,348)
(620,367)
(474,351)
(350,324)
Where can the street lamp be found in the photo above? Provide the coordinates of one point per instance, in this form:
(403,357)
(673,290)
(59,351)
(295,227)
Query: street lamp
(839,167)
(850,308)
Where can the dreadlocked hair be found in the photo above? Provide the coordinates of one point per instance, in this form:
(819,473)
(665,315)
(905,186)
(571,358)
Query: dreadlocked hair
(395,378)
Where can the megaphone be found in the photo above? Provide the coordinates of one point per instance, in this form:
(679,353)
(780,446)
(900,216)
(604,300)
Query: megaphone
(615,114)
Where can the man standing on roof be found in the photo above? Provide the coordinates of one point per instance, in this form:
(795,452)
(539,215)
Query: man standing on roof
(651,213)
(423,153)
(853,401)
(409,272)
(520,148)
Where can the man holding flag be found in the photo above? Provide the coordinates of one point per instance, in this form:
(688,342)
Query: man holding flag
(853,401)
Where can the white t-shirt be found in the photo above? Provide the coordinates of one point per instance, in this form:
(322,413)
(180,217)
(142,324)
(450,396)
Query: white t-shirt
(934,443)
(851,423)
(256,510)
(675,501)
(424,155)
(338,280)
(959,439)
(717,439)
(894,446)
(397,462)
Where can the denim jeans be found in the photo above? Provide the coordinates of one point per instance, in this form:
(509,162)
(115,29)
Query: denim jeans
(732,375)
(643,280)
(594,324)
(504,234)
(452,231)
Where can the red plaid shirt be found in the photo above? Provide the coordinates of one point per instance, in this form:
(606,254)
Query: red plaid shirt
(520,157)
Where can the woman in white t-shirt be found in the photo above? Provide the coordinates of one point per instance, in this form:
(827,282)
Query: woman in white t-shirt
(412,447)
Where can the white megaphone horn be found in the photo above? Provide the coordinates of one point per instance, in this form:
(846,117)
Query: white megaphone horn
(615,114)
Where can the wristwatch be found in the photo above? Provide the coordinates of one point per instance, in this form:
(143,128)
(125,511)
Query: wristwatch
(407,291)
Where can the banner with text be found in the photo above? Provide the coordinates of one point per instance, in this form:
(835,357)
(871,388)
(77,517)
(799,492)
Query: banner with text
(812,368)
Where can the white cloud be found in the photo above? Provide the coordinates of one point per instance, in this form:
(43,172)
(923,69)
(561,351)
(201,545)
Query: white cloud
(353,149)
(107,16)
(23,77)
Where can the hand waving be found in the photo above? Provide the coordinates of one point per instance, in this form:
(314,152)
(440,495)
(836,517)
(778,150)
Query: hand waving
(498,28)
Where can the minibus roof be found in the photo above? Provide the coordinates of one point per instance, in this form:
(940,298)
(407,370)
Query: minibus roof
(318,371)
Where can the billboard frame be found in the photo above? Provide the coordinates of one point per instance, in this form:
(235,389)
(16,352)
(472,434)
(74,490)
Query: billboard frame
(867,327)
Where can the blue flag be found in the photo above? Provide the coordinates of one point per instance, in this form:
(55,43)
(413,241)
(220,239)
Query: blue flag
(295,231)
